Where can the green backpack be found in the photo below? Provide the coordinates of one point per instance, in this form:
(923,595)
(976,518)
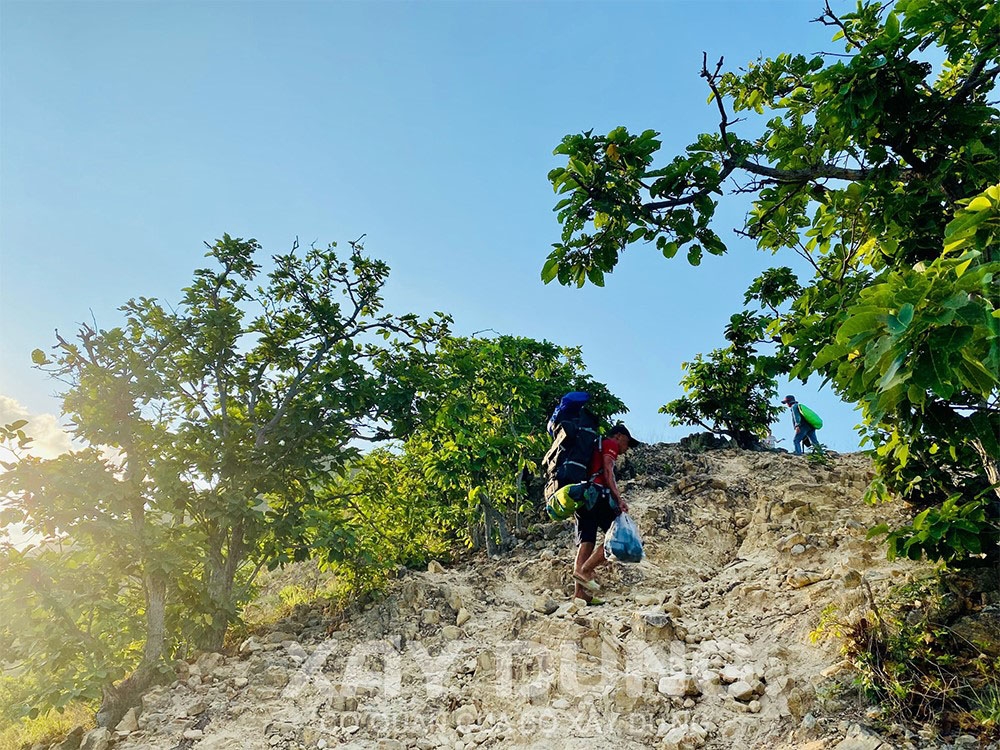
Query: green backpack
(810,416)
(565,501)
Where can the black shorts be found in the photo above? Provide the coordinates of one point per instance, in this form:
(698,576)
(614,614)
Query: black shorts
(598,517)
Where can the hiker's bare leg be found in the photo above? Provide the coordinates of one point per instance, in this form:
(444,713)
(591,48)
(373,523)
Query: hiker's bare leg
(595,559)
(583,553)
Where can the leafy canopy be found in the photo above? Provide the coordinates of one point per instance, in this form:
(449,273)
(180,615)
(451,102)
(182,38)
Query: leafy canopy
(879,168)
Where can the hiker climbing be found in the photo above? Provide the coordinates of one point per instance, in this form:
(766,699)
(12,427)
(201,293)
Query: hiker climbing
(806,422)
(608,506)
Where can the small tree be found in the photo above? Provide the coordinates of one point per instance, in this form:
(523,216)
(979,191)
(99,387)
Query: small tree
(733,390)
(220,419)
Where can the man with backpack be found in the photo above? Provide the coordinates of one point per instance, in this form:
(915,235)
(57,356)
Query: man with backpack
(803,420)
(609,504)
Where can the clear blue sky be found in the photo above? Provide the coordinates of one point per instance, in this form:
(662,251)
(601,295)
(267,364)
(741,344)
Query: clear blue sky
(131,132)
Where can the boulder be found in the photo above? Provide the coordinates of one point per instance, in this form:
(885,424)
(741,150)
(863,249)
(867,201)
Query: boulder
(128,724)
(97,739)
(678,685)
(741,690)
(654,626)
(72,740)
(546,605)
(464,715)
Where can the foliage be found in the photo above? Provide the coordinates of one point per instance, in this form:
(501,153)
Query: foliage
(879,169)
(212,426)
(909,662)
(952,531)
(731,392)
(18,730)
(478,410)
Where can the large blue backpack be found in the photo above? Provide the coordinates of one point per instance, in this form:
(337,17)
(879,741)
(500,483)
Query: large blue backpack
(569,407)
(575,438)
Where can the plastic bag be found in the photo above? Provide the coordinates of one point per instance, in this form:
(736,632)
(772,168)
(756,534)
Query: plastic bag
(622,542)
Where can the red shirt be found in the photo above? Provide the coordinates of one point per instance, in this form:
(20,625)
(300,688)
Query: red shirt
(609,447)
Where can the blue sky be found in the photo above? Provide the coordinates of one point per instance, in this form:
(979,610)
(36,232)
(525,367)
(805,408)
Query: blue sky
(132,132)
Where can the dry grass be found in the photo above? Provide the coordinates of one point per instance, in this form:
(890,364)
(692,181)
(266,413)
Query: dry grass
(48,728)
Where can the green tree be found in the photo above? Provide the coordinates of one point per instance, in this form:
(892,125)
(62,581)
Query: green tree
(219,420)
(479,412)
(879,169)
(732,391)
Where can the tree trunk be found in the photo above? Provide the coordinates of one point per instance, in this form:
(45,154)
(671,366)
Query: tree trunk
(220,575)
(219,587)
(494,521)
(118,699)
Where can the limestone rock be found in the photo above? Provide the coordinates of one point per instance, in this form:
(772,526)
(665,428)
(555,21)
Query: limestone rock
(464,715)
(799,578)
(435,567)
(129,723)
(72,740)
(209,661)
(741,690)
(97,739)
(451,632)
(250,645)
(275,676)
(861,739)
(730,674)
(981,629)
(679,685)
(545,605)
(431,616)
(685,737)
(655,626)
(462,617)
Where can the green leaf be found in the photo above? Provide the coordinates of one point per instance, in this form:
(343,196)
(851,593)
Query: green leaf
(862,323)
(550,269)
(830,353)
(879,530)
(892,26)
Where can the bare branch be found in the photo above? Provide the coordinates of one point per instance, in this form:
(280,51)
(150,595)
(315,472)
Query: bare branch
(829,18)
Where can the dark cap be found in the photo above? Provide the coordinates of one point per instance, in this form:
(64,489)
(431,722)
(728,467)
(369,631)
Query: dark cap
(788,400)
(620,429)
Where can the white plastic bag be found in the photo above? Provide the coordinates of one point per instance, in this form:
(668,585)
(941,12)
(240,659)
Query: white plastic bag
(622,542)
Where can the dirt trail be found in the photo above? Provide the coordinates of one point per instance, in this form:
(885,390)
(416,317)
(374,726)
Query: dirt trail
(703,644)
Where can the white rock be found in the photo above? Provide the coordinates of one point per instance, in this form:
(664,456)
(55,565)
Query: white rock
(462,617)
(730,674)
(464,715)
(678,685)
(435,567)
(741,690)
(97,739)
(129,722)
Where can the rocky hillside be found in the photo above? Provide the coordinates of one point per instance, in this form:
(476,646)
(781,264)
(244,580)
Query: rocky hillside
(704,644)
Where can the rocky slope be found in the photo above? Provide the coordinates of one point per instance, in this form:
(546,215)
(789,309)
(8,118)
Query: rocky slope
(703,644)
